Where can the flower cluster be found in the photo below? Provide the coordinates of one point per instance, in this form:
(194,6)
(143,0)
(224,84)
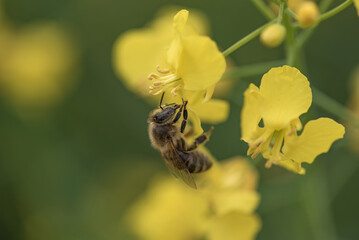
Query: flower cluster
(172,55)
(284,95)
(223,207)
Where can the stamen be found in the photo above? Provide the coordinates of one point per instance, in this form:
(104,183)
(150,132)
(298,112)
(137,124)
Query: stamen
(268,164)
(276,141)
(175,90)
(164,71)
(162,89)
(157,84)
(261,139)
(255,153)
(153,76)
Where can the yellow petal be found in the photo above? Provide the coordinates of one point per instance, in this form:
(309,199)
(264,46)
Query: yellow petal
(201,63)
(209,93)
(285,96)
(235,200)
(317,137)
(136,54)
(214,111)
(180,20)
(175,49)
(197,22)
(234,225)
(291,165)
(196,122)
(250,115)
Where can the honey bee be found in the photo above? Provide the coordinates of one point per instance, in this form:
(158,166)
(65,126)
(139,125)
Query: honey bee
(167,137)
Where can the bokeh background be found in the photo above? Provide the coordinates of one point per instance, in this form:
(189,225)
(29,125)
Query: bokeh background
(71,165)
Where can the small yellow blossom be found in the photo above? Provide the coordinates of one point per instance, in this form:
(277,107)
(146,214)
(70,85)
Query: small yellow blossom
(171,210)
(284,95)
(273,35)
(179,60)
(35,66)
(137,52)
(193,62)
(307,14)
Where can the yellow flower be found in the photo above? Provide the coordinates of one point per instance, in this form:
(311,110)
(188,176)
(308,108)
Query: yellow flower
(137,52)
(171,210)
(36,65)
(193,62)
(188,64)
(284,95)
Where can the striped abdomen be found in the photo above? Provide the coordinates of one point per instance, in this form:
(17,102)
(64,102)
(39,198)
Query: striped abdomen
(196,161)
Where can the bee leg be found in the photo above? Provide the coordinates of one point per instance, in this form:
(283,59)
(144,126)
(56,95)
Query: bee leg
(185,116)
(200,140)
(163,94)
(178,115)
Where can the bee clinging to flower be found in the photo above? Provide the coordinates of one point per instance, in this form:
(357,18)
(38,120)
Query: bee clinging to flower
(181,158)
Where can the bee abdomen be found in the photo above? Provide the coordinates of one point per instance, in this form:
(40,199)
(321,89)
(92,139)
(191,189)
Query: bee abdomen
(197,162)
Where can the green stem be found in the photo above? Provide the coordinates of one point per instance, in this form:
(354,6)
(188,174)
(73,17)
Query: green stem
(263,8)
(333,107)
(290,43)
(335,10)
(282,8)
(290,12)
(252,69)
(246,39)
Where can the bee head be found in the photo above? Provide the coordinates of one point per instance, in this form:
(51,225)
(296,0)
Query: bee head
(163,116)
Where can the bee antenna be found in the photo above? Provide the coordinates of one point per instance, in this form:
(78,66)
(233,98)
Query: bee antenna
(162,100)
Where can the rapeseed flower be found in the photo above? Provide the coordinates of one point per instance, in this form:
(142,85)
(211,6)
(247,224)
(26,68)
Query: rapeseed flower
(222,208)
(179,60)
(284,95)
(36,66)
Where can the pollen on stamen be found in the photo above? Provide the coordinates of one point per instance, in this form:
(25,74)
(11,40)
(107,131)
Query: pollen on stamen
(175,90)
(152,76)
(158,84)
(255,153)
(164,71)
(255,144)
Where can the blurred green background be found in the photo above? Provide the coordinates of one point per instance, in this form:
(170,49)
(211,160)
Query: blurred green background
(72,172)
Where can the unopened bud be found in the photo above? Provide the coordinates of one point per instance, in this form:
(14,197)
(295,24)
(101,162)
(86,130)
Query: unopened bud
(273,35)
(307,14)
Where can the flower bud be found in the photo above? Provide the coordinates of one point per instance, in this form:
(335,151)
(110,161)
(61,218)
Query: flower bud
(307,14)
(273,35)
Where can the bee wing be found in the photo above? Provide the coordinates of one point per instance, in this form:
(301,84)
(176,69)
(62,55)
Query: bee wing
(177,167)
